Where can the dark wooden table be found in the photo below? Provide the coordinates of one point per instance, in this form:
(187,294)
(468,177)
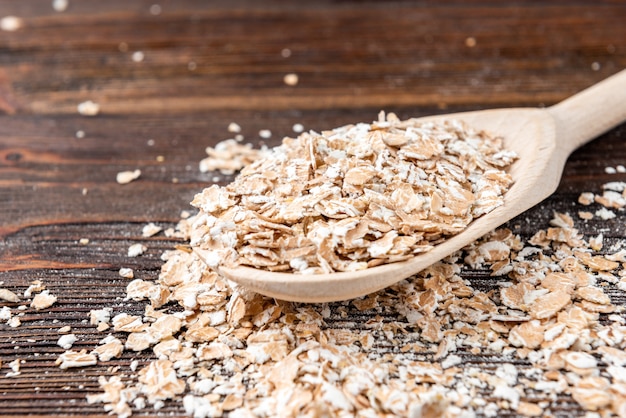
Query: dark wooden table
(206,64)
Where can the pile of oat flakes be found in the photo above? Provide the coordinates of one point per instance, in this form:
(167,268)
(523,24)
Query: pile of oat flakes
(421,348)
(350,198)
(219,349)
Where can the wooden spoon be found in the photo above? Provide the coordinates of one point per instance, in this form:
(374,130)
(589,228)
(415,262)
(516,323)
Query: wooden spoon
(543,140)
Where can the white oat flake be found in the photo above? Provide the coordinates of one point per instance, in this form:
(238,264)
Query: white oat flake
(135,250)
(11,23)
(66,341)
(88,108)
(125,177)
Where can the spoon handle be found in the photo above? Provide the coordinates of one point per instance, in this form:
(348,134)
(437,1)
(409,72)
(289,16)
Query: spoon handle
(588,114)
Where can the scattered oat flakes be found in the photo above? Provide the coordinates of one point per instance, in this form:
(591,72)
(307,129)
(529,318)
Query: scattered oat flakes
(297,128)
(64,330)
(83,241)
(88,108)
(265,133)
(125,177)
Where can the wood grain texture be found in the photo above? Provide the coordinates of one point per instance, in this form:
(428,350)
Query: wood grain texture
(352,57)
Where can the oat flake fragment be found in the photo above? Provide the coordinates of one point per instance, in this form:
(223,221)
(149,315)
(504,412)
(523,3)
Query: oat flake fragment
(109,348)
(66,341)
(150,230)
(125,177)
(136,250)
(126,272)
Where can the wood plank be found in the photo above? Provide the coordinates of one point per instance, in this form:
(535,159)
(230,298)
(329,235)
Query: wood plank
(353,54)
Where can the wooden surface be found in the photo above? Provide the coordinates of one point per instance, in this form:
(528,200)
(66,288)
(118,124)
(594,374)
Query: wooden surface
(353,59)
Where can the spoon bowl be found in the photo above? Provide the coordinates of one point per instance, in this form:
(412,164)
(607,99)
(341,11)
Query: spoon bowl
(542,138)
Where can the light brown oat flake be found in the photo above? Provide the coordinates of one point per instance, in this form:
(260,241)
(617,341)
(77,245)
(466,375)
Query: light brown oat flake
(71,359)
(43,300)
(596,262)
(109,348)
(548,305)
(158,381)
(586,198)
